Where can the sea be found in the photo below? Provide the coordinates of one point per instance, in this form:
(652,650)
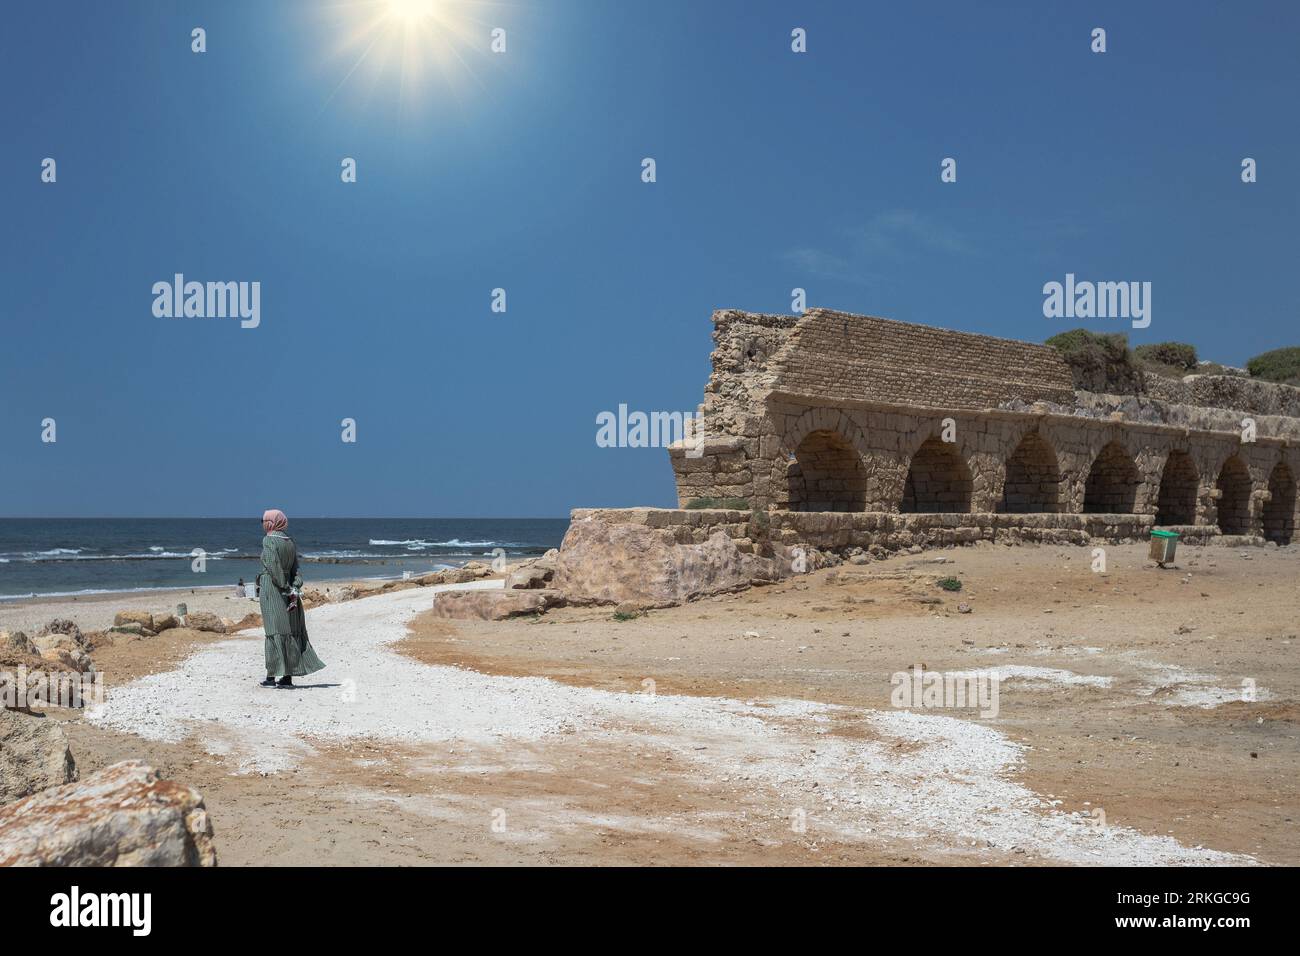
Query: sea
(56,557)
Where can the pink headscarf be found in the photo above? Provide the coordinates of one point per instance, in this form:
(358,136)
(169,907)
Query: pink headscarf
(274,520)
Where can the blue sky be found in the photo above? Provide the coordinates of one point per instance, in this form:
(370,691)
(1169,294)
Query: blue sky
(522,170)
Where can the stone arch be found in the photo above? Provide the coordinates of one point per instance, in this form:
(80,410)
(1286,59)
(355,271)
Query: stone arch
(825,419)
(1112,485)
(1179,484)
(826,474)
(1233,485)
(1033,478)
(1279,511)
(938,480)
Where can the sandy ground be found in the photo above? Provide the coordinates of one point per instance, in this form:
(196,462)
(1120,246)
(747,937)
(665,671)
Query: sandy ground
(757,728)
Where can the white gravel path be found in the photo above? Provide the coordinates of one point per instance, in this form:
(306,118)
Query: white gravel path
(952,787)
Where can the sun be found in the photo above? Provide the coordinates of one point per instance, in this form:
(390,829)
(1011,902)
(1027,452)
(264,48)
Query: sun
(411,11)
(407,50)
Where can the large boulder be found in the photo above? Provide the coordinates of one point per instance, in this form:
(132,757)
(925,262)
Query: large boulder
(125,815)
(164,622)
(34,755)
(491,604)
(143,618)
(611,562)
(529,577)
(204,621)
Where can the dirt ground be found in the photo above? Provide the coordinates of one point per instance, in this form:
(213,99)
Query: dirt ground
(1105,678)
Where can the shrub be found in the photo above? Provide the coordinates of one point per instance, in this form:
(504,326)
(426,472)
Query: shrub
(728,504)
(1279,365)
(1174,355)
(1099,362)
(949,584)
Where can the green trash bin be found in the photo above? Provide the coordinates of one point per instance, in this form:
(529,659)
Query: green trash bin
(1163,546)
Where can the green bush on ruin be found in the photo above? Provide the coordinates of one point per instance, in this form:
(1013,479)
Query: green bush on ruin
(949,584)
(1279,365)
(1099,362)
(1164,358)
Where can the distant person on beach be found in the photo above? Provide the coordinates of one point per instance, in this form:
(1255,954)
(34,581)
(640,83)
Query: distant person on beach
(240,589)
(288,651)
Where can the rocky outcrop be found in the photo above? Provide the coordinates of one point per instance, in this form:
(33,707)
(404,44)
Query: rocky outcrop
(610,562)
(493,604)
(125,815)
(34,755)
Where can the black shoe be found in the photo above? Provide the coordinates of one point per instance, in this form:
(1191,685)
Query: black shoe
(269,682)
(285,683)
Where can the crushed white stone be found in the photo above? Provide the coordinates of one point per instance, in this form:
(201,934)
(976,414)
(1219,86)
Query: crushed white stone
(952,786)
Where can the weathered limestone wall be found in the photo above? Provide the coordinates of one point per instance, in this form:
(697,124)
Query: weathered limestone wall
(878,532)
(832,412)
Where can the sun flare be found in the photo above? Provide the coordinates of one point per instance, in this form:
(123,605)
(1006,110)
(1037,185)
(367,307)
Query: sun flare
(407,50)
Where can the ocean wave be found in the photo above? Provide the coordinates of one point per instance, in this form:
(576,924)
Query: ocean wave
(418,543)
(31,595)
(42,557)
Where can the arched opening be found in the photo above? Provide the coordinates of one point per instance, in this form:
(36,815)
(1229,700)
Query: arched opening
(826,475)
(1112,483)
(1176,503)
(1279,512)
(1234,502)
(937,481)
(1033,482)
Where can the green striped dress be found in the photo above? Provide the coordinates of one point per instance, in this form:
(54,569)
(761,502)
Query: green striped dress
(288,651)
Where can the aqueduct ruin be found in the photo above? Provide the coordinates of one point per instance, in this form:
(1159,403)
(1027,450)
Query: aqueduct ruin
(848,430)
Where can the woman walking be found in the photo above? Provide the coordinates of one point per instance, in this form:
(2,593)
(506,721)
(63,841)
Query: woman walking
(288,651)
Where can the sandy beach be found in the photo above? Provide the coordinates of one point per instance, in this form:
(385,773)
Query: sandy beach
(94,612)
(751,728)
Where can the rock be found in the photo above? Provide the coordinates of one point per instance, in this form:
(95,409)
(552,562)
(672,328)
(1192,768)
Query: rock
(34,755)
(246,622)
(963,608)
(313,597)
(529,577)
(25,679)
(67,649)
(124,815)
(494,604)
(860,559)
(72,656)
(452,576)
(63,626)
(164,622)
(16,642)
(139,630)
(608,562)
(204,621)
(629,609)
(143,618)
